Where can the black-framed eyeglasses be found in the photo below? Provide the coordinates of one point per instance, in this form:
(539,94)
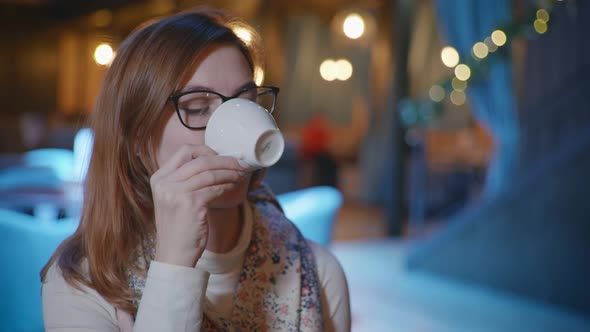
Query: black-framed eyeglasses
(194,108)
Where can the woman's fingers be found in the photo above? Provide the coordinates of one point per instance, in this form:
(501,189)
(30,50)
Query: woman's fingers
(194,185)
(213,178)
(182,189)
(206,179)
(185,154)
(206,163)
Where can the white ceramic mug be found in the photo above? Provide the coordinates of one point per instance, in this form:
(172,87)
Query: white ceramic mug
(243,129)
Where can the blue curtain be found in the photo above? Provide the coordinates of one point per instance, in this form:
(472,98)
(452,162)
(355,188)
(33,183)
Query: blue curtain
(463,23)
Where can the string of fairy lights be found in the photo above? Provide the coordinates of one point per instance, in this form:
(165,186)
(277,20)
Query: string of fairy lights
(422,111)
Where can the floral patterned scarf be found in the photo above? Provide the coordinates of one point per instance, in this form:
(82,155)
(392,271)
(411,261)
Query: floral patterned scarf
(278,287)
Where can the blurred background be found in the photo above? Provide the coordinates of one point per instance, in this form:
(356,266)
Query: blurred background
(440,148)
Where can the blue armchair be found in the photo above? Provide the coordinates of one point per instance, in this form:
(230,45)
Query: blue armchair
(25,246)
(61,161)
(313,210)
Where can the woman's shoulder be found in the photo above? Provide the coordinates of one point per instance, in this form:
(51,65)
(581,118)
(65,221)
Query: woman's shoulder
(328,266)
(321,254)
(333,287)
(63,302)
(56,285)
(55,280)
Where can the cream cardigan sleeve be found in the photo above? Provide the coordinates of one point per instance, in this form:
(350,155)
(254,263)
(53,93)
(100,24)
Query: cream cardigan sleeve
(173,300)
(334,290)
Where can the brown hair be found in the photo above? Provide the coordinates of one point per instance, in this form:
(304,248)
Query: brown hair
(118,212)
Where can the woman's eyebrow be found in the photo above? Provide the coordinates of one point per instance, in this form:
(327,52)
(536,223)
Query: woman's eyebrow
(249,84)
(195,87)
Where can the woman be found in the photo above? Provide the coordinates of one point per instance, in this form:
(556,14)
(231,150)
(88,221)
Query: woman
(174,237)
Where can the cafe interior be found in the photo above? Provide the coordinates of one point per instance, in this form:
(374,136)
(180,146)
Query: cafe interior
(440,149)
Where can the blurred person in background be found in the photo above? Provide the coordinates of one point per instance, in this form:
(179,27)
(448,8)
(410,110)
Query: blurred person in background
(315,148)
(174,237)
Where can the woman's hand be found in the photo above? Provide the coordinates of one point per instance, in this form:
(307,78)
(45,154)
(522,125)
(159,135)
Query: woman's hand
(182,189)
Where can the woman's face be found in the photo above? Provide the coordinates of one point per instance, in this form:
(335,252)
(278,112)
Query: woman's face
(222,69)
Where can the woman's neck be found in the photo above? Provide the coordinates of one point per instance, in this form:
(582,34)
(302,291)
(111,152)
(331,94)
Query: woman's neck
(225,227)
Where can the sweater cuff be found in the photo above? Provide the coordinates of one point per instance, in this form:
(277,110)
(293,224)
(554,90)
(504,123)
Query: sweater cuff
(177,274)
(172,299)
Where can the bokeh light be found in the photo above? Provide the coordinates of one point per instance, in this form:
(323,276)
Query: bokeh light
(104,54)
(340,69)
(449,56)
(329,70)
(499,37)
(463,72)
(490,44)
(343,69)
(480,50)
(436,93)
(457,97)
(540,26)
(543,15)
(458,85)
(353,26)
